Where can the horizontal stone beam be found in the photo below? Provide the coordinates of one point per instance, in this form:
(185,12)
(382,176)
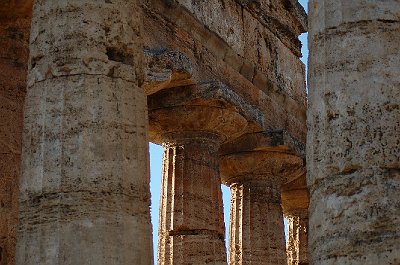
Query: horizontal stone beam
(273,140)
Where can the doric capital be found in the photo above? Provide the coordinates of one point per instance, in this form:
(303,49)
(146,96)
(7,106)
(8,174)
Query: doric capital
(203,108)
(194,119)
(262,155)
(259,165)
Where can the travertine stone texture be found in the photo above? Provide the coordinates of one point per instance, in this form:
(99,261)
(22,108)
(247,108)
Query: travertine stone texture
(294,190)
(256,227)
(354,123)
(166,69)
(84,192)
(191,215)
(251,46)
(14,36)
(297,242)
(192,229)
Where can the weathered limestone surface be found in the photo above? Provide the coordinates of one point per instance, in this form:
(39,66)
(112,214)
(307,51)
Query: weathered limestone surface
(14,36)
(353,143)
(231,42)
(255,176)
(84,193)
(165,69)
(191,130)
(256,228)
(192,228)
(297,242)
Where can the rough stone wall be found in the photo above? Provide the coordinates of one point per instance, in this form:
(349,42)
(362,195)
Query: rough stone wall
(14,35)
(354,123)
(84,193)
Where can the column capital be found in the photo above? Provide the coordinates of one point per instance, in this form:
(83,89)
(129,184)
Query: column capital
(196,110)
(194,121)
(260,165)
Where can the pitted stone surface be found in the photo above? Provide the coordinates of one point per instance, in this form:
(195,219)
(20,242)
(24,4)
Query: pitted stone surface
(14,36)
(255,167)
(256,227)
(210,106)
(239,46)
(85,121)
(353,142)
(84,193)
(166,69)
(192,229)
(191,129)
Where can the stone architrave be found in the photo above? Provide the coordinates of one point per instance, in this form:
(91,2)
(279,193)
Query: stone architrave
(192,229)
(84,191)
(353,154)
(256,228)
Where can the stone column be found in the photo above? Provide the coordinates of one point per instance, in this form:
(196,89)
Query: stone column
(192,227)
(297,243)
(84,193)
(257,233)
(14,38)
(353,143)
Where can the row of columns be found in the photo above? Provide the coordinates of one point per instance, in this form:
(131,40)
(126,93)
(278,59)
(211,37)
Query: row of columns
(84,200)
(191,212)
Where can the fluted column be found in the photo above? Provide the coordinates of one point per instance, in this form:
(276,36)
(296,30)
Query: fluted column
(84,193)
(192,229)
(256,229)
(297,243)
(353,141)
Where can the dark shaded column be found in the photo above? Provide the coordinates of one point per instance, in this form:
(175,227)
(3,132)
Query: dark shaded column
(15,20)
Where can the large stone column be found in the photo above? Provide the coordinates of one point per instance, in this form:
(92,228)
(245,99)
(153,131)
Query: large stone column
(15,20)
(257,233)
(297,242)
(192,229)
(353,143)
(84,193)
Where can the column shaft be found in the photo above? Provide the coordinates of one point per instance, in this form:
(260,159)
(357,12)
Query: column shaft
(256,228)
(14,36)
(191,214)
(353,142)
(297,243)
(84,193)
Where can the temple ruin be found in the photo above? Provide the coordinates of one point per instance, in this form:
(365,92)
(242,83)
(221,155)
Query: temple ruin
(85,86)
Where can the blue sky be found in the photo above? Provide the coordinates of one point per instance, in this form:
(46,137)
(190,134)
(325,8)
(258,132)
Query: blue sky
(156,163)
